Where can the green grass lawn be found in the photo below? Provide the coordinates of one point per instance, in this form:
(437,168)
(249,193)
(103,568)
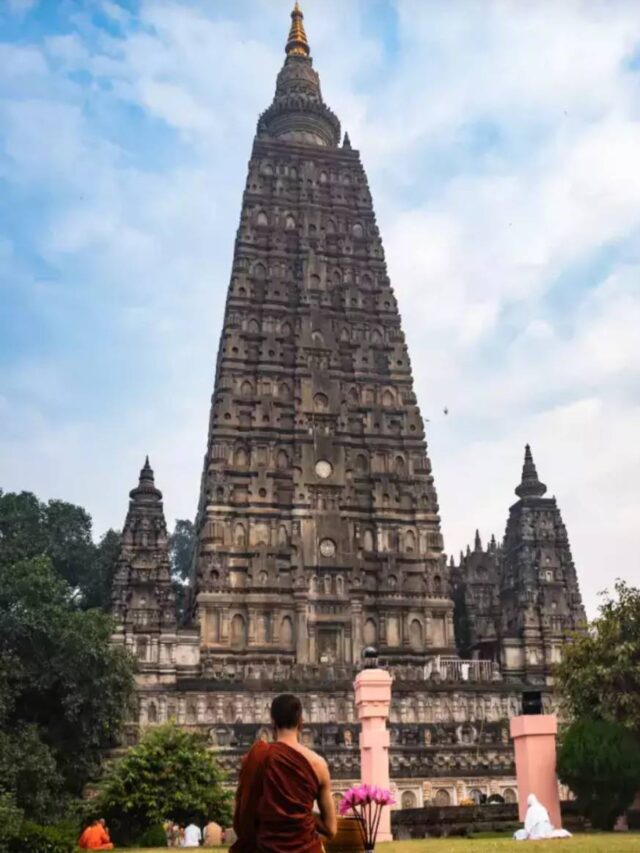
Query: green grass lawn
(601,843)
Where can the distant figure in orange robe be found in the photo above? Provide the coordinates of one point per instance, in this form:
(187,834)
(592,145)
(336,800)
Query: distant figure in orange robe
(279,784)
(95,837)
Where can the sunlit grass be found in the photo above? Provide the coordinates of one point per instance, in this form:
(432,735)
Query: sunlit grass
(599,843)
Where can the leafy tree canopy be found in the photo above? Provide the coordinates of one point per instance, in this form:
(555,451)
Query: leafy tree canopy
(171,775)
(599,677)
(64,689)
(181,543)
(600,762)
(62,532)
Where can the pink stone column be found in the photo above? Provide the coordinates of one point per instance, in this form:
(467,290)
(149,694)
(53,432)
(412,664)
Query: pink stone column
(373,698)
(534,740)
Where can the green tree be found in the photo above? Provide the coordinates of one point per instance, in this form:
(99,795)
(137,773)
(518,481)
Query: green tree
(600,761)
(599,677)
(62,532)
(98,585)
(170,774)
(181,546)
(63,687)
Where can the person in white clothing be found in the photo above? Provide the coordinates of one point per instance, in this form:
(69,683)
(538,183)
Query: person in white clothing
(537,824)
(192,836)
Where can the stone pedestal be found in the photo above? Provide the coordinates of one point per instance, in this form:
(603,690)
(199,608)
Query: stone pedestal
(534,740)
(373,697)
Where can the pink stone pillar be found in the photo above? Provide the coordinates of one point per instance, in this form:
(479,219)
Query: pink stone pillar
(534,740)
(373,697)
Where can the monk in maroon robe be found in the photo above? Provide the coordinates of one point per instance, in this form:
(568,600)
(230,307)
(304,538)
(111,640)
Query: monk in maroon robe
(279,784)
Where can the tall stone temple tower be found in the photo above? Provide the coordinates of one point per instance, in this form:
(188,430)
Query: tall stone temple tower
(318,530)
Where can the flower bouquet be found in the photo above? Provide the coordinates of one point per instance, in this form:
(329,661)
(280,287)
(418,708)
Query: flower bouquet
(366,803)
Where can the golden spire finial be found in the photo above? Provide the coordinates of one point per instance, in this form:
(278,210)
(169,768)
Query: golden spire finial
(297,44)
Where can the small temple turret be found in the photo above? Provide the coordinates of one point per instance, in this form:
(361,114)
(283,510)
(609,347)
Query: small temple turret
(144,600)
(540,602)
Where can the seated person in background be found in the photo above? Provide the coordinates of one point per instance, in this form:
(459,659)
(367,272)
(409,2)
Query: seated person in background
(537,824)
(279,784)
(192,836)
(212,834)
(95,837)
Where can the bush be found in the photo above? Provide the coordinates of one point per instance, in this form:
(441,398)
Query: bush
(600,762)
(32,838)
(155,836)
(170,772)
(10,820)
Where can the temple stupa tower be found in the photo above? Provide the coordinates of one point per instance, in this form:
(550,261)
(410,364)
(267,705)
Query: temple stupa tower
(318,526)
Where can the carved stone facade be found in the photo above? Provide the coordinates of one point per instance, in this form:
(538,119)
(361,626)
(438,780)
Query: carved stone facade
(317,529)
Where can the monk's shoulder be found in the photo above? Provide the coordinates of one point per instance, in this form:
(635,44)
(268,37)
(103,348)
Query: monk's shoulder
(316,761)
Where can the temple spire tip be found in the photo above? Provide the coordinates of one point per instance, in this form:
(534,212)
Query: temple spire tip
(297,44)
(530,486)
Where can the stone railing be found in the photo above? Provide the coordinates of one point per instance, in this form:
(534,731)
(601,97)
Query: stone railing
(455,669)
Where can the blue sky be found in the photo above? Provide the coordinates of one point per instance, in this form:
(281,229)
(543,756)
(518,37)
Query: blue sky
(502,143)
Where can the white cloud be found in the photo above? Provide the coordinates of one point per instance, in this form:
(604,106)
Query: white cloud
(501,143)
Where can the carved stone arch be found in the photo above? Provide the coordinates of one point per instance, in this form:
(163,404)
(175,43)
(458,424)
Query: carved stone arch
(408,800)
(331,226)
(400,465)
(340,585)
(262,220)
(368,542)
(442,797)
(388,398)
(358,230)
(366,282)
(238,632)
(240,535)
(246,389)
(410,542)
(282,460)
(320,402)
(152,713)
(253,327)
(337,278)
(259,271)
(284,392)
(290,222)
(191,712)
(283,536)
(375,337)
(362,463)
(370,632)
(354,396)
(241,457)
(286,631)
(416,635)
